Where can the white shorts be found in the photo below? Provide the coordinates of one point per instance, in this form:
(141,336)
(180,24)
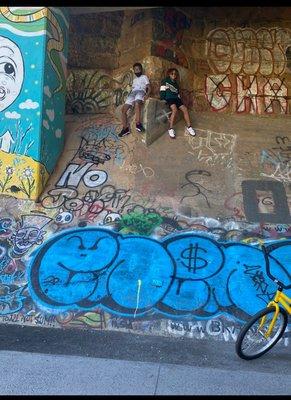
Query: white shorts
(132,97)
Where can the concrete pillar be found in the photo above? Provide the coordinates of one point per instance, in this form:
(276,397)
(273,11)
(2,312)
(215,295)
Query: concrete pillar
(33,51)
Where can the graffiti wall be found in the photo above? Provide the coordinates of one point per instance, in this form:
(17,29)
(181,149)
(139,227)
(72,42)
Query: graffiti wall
(96,91)
(235,67)
(249,69)
(103,249)
(163,239)
(135,275)
(33,68)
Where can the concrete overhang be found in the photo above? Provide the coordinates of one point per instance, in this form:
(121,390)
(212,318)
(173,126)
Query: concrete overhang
(94,10)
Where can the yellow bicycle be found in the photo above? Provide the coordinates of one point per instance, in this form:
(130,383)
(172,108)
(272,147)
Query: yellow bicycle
(266,327)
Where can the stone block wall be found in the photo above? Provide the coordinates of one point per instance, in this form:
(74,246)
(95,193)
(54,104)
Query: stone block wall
(231,60)
(135,38)
(93,40)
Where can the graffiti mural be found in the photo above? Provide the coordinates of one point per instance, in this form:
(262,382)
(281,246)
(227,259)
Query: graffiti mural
(248,51)
(95,91)
(135,275)
(246,94)
(213,148)
(168,29)
(276,161)
(160,239)
(32,114)
(88,92)
(248,66)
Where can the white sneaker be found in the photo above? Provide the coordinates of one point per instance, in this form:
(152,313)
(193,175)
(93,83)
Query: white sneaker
(172,133)
(191,131)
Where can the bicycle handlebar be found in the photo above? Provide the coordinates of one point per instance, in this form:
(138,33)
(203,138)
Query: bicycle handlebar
(264,249)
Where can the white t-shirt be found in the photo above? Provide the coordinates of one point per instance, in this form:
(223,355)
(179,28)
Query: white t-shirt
(139,83)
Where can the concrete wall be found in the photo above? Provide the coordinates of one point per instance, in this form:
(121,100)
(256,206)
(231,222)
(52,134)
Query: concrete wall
(120,242)
(231,60)
(93,40)
(157,240)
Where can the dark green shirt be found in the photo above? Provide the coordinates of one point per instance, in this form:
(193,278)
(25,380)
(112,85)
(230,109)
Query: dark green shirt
(169,89)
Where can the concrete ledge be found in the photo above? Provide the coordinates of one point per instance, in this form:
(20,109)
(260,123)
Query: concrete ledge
(155,119)
(155,114)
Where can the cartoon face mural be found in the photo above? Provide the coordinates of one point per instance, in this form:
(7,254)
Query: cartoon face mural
(24,238)
(111,218)
(64,217)
(33,56)
(29,233)
(11,72)
(77,271)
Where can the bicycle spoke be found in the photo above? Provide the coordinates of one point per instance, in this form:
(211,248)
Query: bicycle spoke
(255,341)
(264,329)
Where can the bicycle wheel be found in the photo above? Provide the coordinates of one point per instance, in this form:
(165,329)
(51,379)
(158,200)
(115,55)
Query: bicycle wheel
(251,342)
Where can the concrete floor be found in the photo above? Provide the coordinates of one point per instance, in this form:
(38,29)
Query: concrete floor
(58,362)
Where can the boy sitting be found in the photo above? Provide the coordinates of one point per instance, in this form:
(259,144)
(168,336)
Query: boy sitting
(139,93)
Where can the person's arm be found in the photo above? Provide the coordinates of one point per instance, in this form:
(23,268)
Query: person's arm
(178,87)
(163,89)
(148,91)
(147,88)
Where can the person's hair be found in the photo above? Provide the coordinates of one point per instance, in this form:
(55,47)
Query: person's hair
(137,65)
(170,70)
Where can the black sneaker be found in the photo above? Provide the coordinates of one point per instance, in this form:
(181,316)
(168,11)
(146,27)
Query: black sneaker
(139,127)
(124,132)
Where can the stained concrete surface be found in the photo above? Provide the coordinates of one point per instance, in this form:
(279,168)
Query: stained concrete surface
(72,361)
(53,361)
(228,147)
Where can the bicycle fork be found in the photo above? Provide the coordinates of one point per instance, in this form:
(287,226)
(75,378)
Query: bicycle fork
(273,303)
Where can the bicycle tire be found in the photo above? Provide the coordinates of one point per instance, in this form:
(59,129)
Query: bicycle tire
(249,327)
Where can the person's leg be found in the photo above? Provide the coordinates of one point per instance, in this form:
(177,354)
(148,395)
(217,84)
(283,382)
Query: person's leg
(138,106)
(139,100)
(125,108)
(172,118)
(173,115)
(185,114)
(125,127)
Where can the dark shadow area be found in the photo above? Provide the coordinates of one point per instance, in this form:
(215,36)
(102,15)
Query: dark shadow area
(133,347)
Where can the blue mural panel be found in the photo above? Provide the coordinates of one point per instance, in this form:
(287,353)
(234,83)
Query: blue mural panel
(133,276)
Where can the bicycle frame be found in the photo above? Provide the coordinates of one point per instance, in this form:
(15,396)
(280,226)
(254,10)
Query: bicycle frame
(281,298)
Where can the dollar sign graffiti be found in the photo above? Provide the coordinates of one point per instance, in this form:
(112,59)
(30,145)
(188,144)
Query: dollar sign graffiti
(190,254)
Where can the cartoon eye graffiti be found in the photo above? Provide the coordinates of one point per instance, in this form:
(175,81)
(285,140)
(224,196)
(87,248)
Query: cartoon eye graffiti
(64,217)
(11,72)
(9,69)
(111,217)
